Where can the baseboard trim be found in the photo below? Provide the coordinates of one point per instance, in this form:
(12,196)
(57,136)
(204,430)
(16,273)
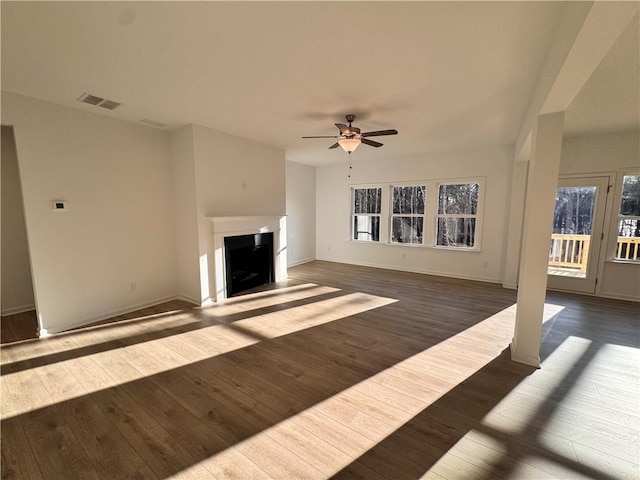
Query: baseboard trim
(520,358)
(188,299)
(300,262)
(15,310)
(611,295)
(510,286)
(415,270)
(45,332)
(618,296)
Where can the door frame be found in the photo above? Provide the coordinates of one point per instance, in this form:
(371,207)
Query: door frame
(604,182)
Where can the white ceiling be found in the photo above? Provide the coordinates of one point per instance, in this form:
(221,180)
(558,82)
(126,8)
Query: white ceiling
(447,75)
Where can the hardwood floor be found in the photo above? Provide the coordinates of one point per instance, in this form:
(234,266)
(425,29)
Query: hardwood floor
(340,371)
(17,327)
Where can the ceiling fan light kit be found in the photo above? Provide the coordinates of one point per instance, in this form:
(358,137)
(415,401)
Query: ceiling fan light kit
(349,144)
(350,136)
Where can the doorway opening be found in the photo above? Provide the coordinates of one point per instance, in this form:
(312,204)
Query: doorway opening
(17,302)
(576,240)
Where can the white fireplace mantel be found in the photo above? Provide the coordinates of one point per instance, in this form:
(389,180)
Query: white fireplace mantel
(246,225)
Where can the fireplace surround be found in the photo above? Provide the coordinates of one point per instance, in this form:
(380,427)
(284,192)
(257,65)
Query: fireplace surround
(229,227)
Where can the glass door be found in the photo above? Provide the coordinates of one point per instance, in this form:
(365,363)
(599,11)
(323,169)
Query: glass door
(577,234)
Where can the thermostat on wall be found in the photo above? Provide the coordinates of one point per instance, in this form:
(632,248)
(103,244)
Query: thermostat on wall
(59,205)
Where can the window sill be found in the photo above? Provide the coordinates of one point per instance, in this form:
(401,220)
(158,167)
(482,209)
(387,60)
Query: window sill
(456,249)
(623,262)
(416,245)
(411,245)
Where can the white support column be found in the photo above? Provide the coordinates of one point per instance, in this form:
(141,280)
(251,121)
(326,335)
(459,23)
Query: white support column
(538,220)
(514,234)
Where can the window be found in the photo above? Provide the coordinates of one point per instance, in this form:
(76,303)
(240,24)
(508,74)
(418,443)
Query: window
(419,213)
(457,215)
(407,214)
(367,206)
(628,230)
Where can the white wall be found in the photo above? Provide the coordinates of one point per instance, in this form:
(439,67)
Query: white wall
(236,176)
(333,212)
(17,289)
(607,154)
(600,153)
(119,228)
(185,212)
(301,213)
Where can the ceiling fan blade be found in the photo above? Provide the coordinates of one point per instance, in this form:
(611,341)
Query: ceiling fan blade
(323,136)
(379,133)
(371,142)
(335,145)
(342,127)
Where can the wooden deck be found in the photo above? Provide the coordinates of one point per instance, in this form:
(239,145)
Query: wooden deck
(341,371)
(566,272)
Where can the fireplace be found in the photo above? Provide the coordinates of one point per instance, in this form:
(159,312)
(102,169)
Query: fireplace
(248,262)
(251,233)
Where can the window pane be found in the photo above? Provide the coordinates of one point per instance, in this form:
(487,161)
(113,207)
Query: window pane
(367,200)
(409,199)
(630,203)
(628,241)
(456,232)
(573,214)
(366,228)
(629,228)
(406,229)
(458,199)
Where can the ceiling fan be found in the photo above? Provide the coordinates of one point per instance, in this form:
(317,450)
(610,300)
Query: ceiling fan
(350,137)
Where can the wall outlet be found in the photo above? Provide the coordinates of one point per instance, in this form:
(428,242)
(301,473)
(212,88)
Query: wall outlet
(132,286)
(485,264)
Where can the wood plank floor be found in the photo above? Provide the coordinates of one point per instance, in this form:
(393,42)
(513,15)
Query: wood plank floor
(340,371)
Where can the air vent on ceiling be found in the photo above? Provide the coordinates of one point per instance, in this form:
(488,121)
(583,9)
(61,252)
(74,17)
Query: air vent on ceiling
(90,99)
(153,123)
(98,101)
(109,104)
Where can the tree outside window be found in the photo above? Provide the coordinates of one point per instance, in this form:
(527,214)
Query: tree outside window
(367,206)
(574,209)
(457,215)
(407,214)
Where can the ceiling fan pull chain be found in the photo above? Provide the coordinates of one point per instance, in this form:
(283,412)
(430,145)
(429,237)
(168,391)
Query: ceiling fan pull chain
(349,176)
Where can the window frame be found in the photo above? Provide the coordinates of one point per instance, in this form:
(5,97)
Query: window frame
(429,228)
(478,216)
(353,214)
(616,216)
(411,215)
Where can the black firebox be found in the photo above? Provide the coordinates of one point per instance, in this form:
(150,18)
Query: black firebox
(249,262)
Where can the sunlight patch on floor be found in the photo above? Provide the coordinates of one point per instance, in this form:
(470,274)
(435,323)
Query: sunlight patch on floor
(60,381)
(373,409)
(516,406)
(254,301)
(558,402)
